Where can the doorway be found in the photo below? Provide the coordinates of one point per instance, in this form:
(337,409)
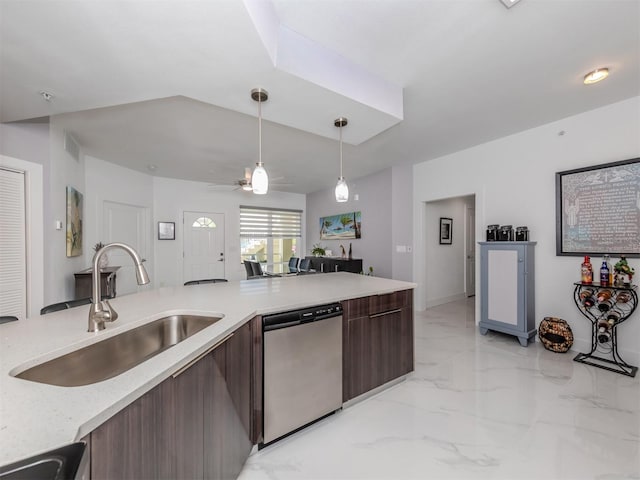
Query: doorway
(13,255)
(470,241)
(203,246)
(449,266)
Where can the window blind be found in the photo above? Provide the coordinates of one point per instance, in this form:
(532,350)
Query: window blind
(268,222)
(13,270)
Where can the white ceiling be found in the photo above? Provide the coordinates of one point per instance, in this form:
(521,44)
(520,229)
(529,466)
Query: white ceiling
(141,82)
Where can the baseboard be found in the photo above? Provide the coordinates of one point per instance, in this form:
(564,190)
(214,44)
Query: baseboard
(441,301)
(375,391)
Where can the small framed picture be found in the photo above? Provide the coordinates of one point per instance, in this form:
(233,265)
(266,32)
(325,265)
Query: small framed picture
(446,231)
(166,230)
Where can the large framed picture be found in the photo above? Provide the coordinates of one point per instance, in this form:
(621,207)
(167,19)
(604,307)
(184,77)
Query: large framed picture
(446,231)
(74,222)
(598,210)
(340,227)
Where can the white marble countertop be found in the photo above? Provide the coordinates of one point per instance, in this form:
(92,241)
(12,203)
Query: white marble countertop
(35,417)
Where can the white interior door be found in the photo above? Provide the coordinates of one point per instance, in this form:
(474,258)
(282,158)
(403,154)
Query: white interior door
(126,224)
(13,262)
(470,278)
(203,246)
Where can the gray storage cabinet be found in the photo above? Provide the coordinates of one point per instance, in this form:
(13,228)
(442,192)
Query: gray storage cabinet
(507,289)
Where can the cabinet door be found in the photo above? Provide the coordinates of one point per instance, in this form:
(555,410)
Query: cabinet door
(227,406)
(380,348)
(138,441)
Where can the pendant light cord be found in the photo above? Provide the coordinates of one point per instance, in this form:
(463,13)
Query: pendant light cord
(259,131)
(341,152)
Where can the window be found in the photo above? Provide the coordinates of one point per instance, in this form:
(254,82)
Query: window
(270,236)
(204,222)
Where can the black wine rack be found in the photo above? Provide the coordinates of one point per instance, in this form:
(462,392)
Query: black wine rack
(623,301)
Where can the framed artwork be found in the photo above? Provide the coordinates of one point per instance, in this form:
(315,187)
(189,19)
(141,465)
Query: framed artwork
(74,222)
(166,230)
(446,231)
(598,210)
(342,226)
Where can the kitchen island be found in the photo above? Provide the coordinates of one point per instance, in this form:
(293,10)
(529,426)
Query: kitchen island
(38,417)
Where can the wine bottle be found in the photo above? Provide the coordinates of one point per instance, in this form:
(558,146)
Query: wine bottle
(604,274)
(586,271)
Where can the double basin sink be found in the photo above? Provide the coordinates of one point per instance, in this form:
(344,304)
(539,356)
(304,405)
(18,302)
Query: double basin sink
(117,354)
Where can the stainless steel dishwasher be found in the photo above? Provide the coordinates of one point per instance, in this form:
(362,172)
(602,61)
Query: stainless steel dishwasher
(302,368)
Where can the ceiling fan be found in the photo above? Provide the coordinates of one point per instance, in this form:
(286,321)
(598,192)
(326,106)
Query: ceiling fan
(245,182)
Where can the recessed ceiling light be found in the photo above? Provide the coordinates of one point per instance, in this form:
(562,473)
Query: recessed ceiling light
(597,75)
(509,3)
(46,95)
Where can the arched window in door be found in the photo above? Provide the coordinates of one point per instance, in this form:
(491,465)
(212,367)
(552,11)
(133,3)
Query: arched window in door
(204,222)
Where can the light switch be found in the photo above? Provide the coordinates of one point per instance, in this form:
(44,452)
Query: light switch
(58,225)
(401,249)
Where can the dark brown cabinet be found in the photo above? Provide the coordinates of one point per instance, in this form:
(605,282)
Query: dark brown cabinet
(330,264)
(377,341)
(84,281)
(193,425)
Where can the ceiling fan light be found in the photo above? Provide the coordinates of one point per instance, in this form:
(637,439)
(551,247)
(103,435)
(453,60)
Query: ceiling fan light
(260,180)
(247,187)
(342,190)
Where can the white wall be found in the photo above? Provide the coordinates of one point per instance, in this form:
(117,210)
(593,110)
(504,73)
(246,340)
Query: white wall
(374,201)
(26,141)
(173,197)
(106,181)
(402,223)
(64,171)
(513,179)
(444,265)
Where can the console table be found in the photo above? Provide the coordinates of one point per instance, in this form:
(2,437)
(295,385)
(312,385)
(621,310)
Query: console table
(605,315)
(336,264)
(107,282)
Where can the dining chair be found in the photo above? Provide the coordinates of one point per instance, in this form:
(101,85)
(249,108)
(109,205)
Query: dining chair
(293,264)
(305,265)
(206,280)
(55,307)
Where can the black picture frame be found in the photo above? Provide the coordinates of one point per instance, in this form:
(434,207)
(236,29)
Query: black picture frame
(446,231)
(166,230)
(598,210)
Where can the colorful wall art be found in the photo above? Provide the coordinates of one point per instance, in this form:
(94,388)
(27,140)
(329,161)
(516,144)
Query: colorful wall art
(74,222)
(338,227)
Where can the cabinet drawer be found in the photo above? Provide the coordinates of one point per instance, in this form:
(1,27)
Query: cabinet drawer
(356,307)
(387,302)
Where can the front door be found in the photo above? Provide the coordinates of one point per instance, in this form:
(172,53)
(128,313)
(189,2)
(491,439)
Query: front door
(203,246)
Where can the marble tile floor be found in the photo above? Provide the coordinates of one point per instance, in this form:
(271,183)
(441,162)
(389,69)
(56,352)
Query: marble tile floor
(476,407)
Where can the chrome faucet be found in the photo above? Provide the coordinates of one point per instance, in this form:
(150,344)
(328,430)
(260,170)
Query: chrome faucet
(100,310)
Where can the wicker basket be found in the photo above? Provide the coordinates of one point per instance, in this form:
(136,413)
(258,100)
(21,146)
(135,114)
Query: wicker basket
(555,334)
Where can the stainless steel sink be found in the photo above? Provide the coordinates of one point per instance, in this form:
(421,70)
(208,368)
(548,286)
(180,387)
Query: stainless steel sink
(62,463)
(117,354)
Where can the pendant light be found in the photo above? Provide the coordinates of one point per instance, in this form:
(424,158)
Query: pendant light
(260,179)
(342,189)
